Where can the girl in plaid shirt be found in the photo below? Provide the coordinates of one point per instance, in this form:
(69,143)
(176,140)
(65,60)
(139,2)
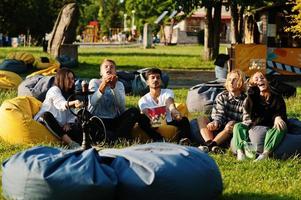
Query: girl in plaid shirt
(228,110)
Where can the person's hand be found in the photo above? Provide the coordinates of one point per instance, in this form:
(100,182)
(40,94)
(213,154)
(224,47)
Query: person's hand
(66,127)
(229,126)
(106,80)
(113,81)
(279,124)
(175,114)
(109,80)
(213,126)
(77,104)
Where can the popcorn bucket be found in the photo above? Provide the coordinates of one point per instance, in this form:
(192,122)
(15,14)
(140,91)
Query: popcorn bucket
(157,115)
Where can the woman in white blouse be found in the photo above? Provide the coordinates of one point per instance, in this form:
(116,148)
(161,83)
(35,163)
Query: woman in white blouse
(54,113)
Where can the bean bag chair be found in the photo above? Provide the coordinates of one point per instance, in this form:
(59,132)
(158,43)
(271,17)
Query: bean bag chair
(195,133)
(39,64)
(66,61)
(27,58)
(36,86)
(50,173)
(15,66)
(9,80)
(201,97)
(17,125)
(167,131)
(290,145)
(51,70)
(165,171)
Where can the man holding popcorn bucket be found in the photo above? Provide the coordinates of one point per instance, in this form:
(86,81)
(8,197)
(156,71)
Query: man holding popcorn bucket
(158,107)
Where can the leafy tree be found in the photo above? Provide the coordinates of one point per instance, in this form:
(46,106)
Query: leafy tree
(147,11)
(88,12)
(295,27)
(35,17)
(110,15)
(212,23)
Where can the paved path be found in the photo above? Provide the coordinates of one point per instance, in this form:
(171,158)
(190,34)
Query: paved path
(189,78)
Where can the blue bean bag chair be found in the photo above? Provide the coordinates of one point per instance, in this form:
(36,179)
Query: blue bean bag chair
(290,145)
(195,134)
(165,171)
(50,173)
(15,66)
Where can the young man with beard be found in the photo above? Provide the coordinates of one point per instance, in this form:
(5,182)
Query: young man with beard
(161,97)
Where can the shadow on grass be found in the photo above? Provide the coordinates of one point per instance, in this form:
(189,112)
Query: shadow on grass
(89,70)
(134,54)
(255,196)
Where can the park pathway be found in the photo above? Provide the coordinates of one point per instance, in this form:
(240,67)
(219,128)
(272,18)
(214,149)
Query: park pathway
(188,78)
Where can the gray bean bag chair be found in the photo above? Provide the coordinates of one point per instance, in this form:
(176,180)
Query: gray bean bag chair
(50,173)
(36,86)
(164,171)
(290,145)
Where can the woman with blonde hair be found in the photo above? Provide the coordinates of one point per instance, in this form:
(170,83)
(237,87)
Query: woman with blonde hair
(264,108)
(226,112)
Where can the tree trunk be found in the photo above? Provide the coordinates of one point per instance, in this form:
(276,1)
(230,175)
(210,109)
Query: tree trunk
(208,33)
(64,30)
(234,23)
(171,31)
(241,24)
(237,23)
(216,28)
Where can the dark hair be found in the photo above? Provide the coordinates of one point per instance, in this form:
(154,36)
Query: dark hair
(152,71)
(60,79)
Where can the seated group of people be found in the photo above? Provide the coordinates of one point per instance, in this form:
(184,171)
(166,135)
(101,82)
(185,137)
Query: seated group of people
(234,113)
(108,104)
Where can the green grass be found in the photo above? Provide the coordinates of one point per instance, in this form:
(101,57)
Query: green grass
(164,57)
(272,179)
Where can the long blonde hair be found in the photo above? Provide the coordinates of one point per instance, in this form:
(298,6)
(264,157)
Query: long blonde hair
(241,80)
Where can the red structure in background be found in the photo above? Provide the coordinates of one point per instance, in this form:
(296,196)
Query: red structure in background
(91,32)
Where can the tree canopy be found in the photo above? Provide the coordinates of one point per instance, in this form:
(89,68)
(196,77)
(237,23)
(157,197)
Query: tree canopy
(147,11)
(110,15)
(35,17)
(296,19)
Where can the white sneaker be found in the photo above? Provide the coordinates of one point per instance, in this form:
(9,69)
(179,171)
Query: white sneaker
(185,141)
(262,156)
(205,149)
(74,145)
(240,155)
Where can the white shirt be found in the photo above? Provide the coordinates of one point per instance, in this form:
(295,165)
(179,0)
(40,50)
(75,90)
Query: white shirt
(147,101)
(55,103)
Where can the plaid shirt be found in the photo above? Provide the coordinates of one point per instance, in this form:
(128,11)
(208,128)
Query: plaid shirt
(228,108)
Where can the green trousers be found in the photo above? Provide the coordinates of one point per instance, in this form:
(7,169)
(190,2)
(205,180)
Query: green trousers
(272,138)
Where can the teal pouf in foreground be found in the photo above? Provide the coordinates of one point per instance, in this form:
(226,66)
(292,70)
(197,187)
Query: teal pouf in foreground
(150,171)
